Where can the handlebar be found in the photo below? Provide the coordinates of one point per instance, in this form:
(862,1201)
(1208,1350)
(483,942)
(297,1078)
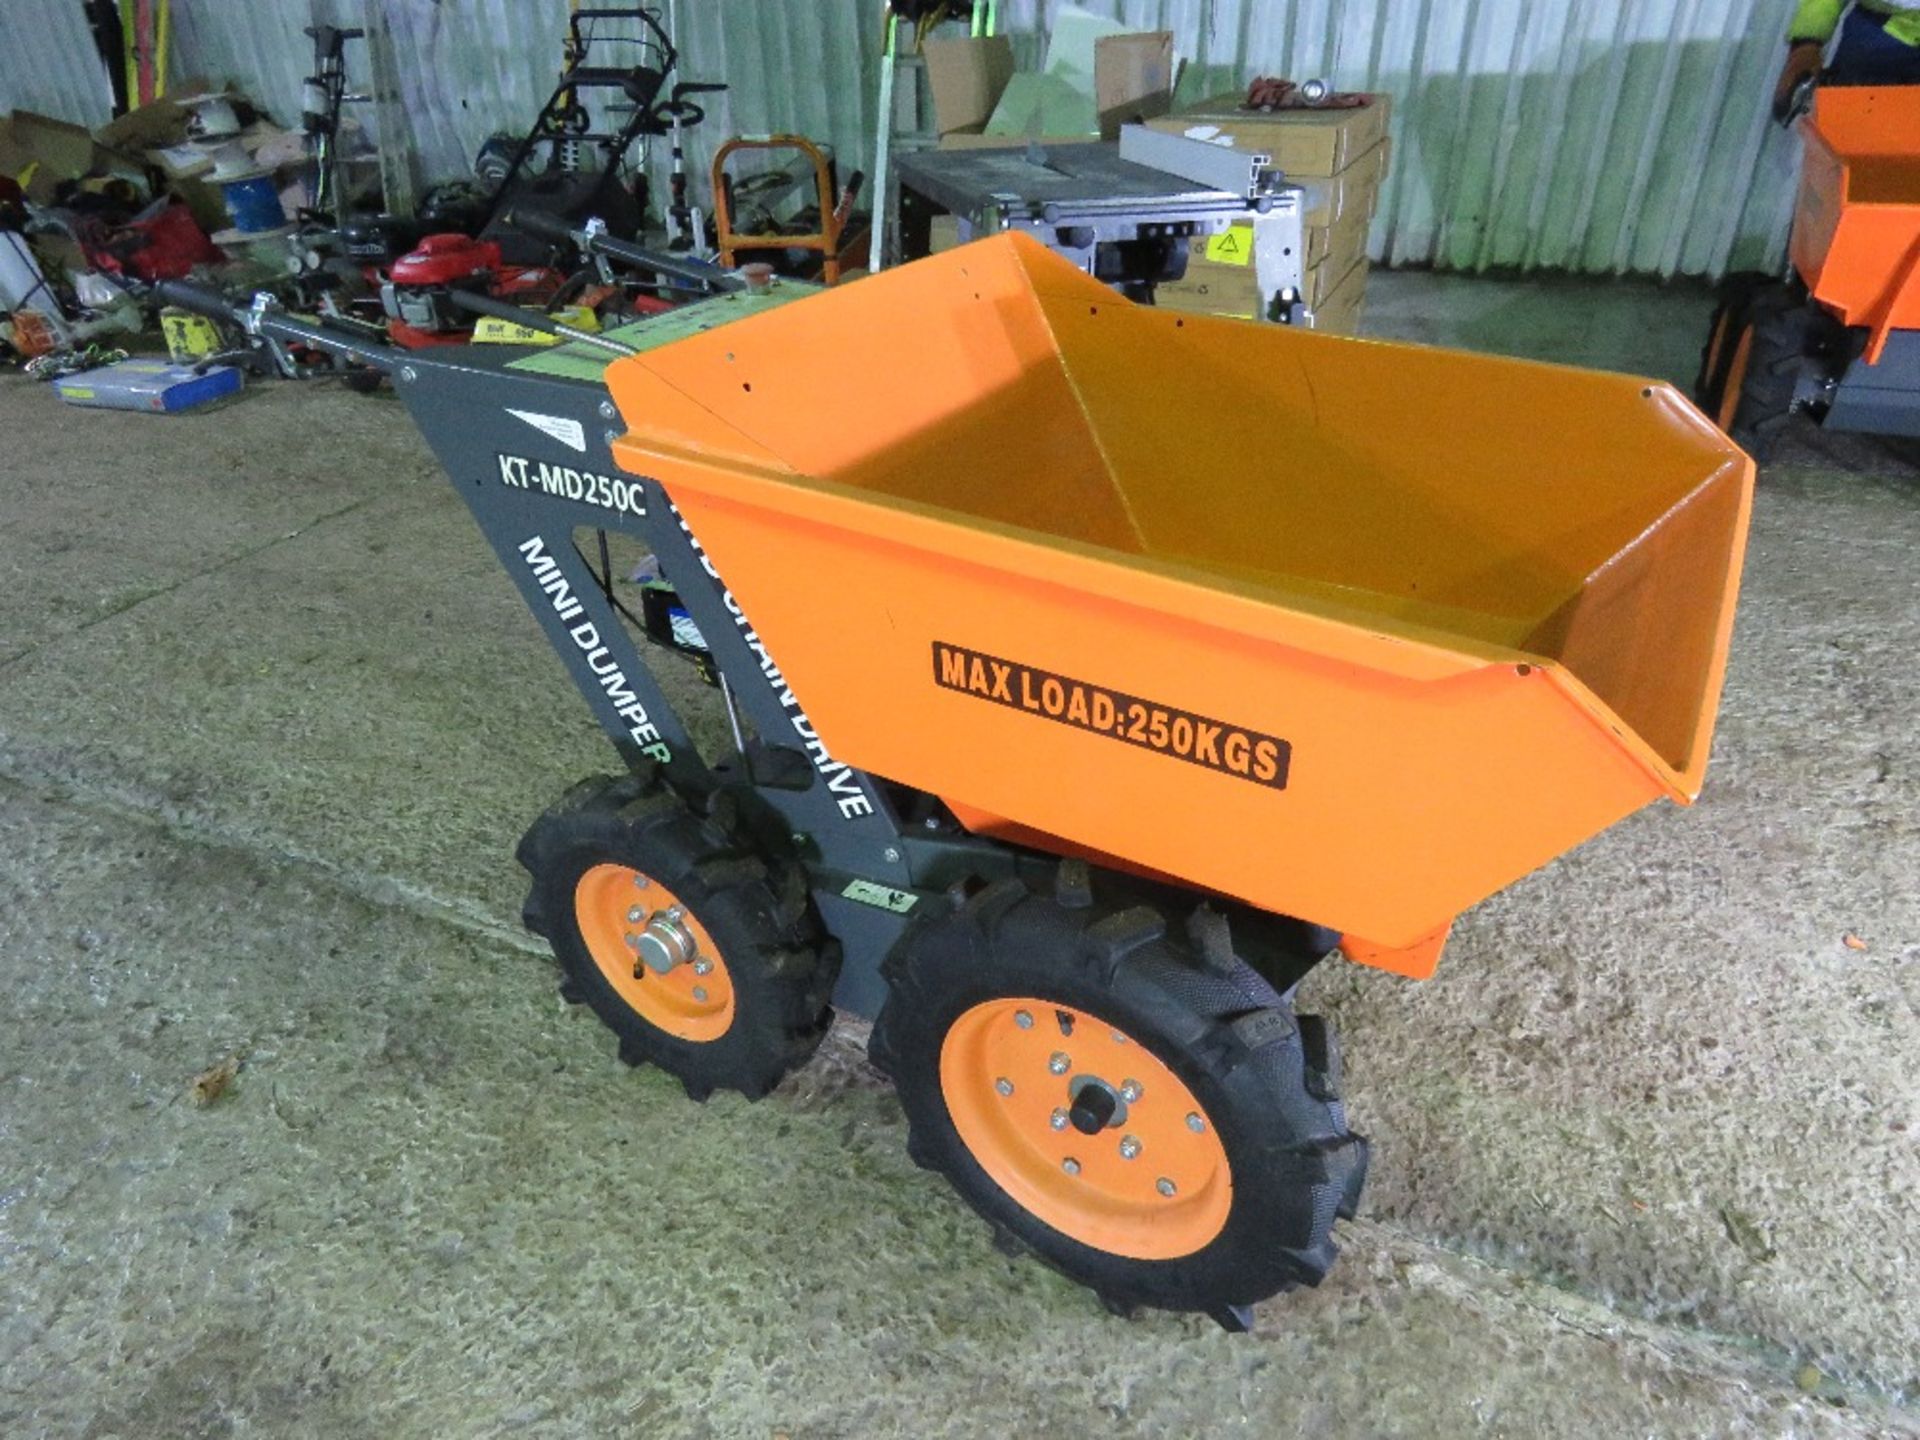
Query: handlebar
(263,320)
(189,295)
(544,226)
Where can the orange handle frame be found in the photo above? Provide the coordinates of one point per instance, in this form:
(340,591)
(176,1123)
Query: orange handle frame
(826,240)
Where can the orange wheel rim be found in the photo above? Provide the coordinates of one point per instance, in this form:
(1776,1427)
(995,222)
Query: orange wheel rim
(654,953)
(1716,342)
(1736,379)
(1152,1183)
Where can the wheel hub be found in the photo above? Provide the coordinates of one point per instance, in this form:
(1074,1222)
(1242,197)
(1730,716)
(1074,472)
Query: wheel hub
(1097,1105)
(1085,1128)
(665,942)
(654,953)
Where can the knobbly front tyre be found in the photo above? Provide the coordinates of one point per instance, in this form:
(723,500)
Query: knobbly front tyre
(704,957)
(1766,334)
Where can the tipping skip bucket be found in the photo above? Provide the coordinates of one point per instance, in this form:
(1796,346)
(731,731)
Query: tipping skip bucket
(1350,631)
(1856,233)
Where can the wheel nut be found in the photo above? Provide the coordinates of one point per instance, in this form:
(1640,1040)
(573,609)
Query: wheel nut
(702,967)
(639,882)
(1023,1019)
(1129,1090)
(1129,1147)
(636,915)
(1166,1187)
(1196,1124)
(700,993)
(1070,1165)
(1003,1085)
(1058,1120)
(1118,1038)
(1059,1064)
(633,941)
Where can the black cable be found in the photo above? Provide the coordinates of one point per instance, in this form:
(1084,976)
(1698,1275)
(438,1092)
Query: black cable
(606,583)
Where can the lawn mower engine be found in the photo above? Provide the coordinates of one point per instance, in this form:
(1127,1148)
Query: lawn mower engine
(417,294)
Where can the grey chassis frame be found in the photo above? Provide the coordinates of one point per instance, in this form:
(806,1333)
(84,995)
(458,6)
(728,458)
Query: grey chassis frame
(847,828)
(1881,399)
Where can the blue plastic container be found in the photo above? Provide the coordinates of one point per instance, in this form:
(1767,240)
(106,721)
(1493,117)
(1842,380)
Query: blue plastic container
(147,385)
(254,204)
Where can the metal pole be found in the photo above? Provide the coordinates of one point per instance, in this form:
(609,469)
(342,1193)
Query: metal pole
(883,142)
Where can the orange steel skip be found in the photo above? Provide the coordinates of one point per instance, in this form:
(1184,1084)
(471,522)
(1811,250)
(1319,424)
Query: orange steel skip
(1350,631)
(1856,232)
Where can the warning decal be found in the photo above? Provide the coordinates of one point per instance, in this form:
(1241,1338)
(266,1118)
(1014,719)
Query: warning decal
(1180,734)
(1232,246)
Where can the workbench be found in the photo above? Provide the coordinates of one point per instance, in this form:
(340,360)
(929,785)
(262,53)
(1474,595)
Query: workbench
(1121,222)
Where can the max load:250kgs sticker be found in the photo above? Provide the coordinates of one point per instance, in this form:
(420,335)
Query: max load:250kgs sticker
(1213,744)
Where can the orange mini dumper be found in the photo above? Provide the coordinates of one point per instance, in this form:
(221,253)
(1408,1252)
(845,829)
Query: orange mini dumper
(1093,672)
(1839,340)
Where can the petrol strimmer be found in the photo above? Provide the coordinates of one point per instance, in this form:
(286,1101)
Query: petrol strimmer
(1095,678)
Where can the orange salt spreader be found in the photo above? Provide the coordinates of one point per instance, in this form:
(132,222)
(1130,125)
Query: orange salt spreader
(1089,673)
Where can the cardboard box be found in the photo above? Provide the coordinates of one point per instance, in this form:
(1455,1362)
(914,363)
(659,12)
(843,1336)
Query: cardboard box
(1326,278)
(1211,288)
(155,385)
(43,150)
(1339,313)
(967,75)
(158,122)
(943,233)
(1044,105)
(1229,287)
(1132,78)
(1345,237)
(981,102)
(1329,198)
(1302,142)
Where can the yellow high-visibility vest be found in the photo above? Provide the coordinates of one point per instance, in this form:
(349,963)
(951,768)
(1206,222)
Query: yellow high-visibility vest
(1818,19)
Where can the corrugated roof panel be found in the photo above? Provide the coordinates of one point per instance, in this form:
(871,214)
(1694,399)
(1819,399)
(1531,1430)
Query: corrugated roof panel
(48,62)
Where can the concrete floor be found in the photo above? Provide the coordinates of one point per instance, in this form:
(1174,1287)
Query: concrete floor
(270,720)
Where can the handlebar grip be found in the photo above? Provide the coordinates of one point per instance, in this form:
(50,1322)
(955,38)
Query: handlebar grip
(542,225)
(476,303)
(190,295)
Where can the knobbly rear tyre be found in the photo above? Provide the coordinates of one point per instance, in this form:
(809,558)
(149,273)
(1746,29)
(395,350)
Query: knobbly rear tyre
(1265,1081)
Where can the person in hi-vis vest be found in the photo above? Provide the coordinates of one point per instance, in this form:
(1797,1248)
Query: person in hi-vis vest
(1879,44)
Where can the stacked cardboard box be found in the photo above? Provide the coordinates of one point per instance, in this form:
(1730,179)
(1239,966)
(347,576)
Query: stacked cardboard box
(980,101)
(1340,156)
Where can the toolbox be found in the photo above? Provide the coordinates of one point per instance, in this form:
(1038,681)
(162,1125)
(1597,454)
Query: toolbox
(157,385)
